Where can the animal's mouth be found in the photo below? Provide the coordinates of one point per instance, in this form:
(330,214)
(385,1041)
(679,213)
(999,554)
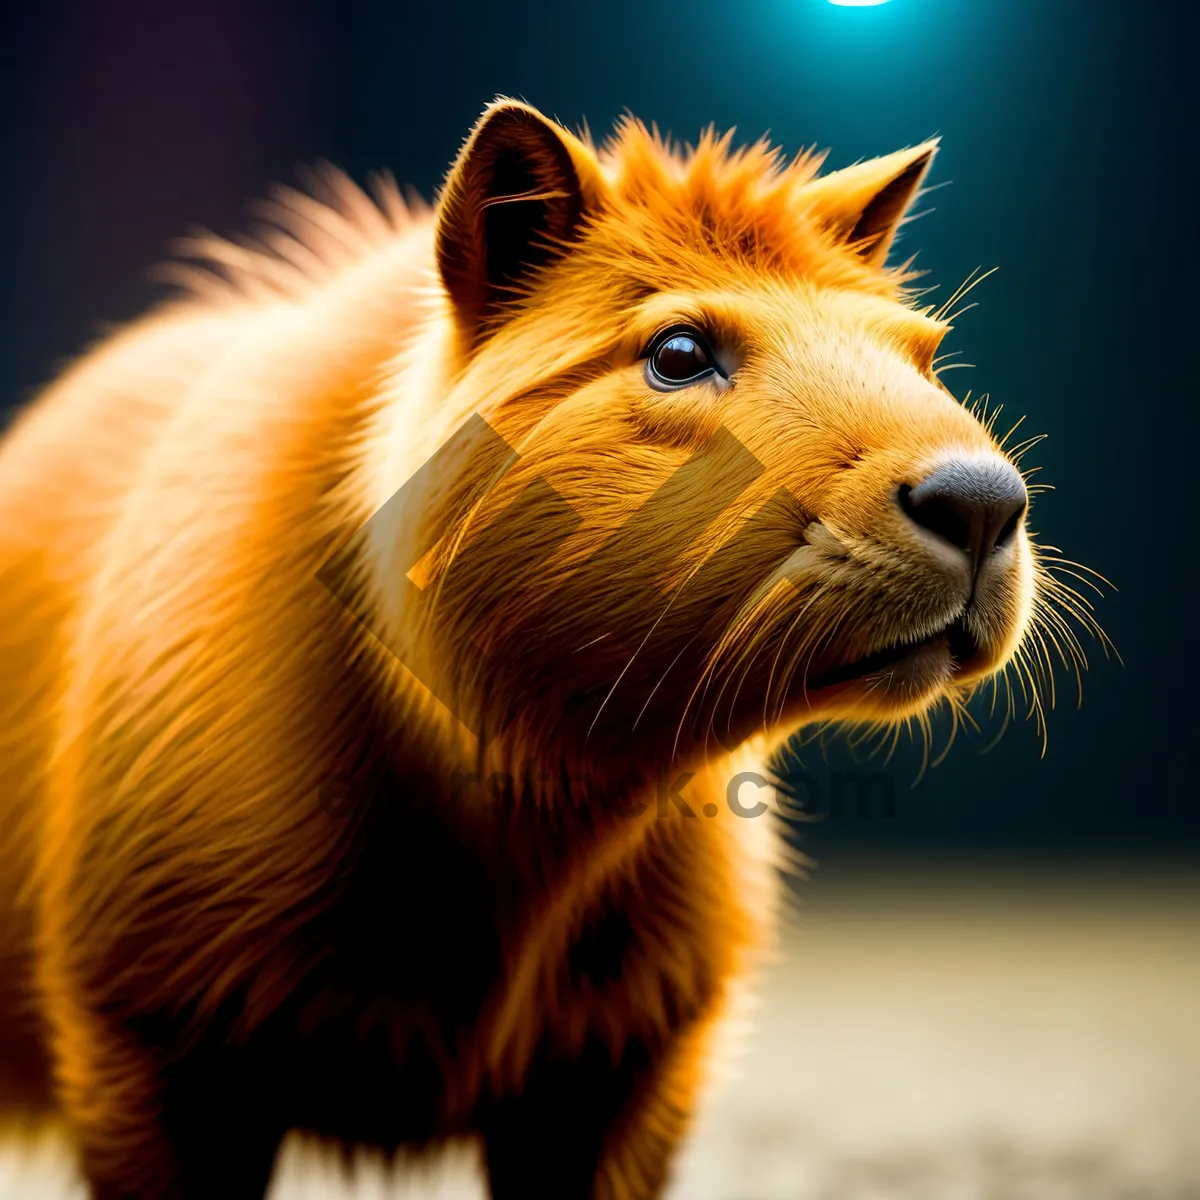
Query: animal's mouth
(955,642)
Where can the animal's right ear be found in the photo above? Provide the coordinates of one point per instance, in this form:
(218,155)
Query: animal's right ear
(514,200)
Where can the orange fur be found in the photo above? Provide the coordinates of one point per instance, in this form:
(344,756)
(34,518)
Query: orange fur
(218,953)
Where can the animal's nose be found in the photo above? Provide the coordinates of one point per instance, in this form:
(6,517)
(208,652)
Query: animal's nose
(974,504)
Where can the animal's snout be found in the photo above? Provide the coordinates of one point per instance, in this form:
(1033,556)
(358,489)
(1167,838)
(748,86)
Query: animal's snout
(974,504)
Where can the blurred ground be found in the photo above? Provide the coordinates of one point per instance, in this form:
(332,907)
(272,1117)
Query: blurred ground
(976,1034)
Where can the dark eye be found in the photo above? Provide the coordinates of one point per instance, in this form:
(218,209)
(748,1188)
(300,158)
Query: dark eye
(677,358)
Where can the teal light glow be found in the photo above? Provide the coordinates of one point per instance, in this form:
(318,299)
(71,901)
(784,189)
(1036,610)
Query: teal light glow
(857,3)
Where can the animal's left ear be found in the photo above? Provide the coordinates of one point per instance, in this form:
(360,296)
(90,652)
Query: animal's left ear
(513,201)
(865,204)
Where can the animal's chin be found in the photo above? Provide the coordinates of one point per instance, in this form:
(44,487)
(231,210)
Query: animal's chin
(903,672)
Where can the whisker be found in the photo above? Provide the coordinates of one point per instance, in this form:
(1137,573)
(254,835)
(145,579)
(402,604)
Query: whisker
(971,282)
(1064,563)
(1004,439)
(661,681)
(958,314)
(637,651)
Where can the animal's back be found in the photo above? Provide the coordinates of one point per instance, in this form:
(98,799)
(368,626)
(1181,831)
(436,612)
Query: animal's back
(66,468)
(69,468)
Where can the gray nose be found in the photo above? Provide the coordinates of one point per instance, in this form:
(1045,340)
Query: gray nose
(973,504)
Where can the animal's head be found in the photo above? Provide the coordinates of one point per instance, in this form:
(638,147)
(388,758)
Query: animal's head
(742,497)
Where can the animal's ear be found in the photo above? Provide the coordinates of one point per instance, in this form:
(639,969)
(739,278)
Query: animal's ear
(514,199)
(865,204)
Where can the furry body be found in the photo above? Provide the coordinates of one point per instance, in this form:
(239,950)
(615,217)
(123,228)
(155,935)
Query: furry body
(211,952)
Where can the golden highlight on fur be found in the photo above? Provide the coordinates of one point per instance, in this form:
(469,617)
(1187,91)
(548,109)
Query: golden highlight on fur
(450,849)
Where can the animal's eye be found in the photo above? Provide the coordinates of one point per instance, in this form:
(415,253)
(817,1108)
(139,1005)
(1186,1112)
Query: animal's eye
(677,358)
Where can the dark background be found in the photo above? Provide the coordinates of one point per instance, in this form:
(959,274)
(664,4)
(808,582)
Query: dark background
(1069,138)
